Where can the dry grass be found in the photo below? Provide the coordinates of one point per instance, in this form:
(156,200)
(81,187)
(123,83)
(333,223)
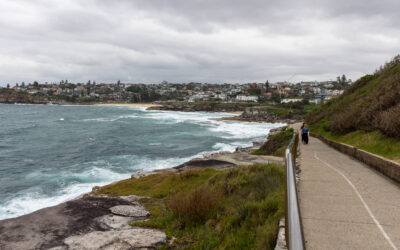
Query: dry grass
(372,103)
(209,209)
(196,206)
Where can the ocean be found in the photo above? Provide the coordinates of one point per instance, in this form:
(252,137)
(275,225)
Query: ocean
(50,154)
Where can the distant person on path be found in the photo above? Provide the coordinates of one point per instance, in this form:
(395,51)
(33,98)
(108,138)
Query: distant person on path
(304,134)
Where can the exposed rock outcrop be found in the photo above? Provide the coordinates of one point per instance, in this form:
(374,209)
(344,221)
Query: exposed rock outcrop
(85,223)
(134,238)
(205,163)
(8,96)
(136,211)
(266,115)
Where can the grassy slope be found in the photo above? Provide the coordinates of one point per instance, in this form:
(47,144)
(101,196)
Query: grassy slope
(238,208)
(366,115)
(276,143)
(373,142)
(290,110)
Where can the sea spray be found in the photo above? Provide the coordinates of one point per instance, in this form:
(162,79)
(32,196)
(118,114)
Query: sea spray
(46,160)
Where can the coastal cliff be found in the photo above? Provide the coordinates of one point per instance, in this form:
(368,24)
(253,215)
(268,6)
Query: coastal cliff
(8,96)
(11,96)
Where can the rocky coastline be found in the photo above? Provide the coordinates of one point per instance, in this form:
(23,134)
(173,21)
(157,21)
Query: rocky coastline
(203,106)
(248,112)
(101,222)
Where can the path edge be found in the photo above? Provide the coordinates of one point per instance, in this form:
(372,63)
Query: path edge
(387,167)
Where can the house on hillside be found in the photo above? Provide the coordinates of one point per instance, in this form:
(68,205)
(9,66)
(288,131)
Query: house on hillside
(287,100)
(244,98)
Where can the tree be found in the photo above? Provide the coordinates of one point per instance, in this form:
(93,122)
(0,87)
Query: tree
(276,97)
(255,91)
(36,84)
(134,89)
(344,79)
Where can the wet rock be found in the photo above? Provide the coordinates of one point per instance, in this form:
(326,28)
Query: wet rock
(133,198)
(136,210)
(117,239)
(205,163)
(95,188)
(59,248)
(111,221)
(139,175)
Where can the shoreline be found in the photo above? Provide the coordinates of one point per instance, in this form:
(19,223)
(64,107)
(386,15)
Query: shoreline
(220,155)
(91,214)
(232,119)
(128,104)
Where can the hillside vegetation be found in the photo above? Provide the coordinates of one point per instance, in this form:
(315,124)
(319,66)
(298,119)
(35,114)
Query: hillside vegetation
(276,143)
(211,209)
(367,115)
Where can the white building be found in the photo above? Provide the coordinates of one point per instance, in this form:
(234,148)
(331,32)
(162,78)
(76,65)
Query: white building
(316,101)
(220,96)
(287,100)
(250,98)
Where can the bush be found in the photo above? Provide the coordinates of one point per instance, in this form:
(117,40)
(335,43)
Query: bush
(276,143)
(196,206)
(370,104)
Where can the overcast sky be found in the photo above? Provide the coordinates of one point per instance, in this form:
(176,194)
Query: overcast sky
(195,40)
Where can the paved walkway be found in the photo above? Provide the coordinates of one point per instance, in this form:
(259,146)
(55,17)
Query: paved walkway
(345,204)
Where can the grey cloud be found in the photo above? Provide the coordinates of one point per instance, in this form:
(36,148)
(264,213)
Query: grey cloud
(215,41)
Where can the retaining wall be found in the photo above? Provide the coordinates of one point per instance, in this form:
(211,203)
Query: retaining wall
(383,165)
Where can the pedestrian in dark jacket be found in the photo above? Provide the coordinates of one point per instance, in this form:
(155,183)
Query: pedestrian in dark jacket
(304,134)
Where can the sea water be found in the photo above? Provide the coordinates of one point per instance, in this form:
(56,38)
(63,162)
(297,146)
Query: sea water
(50,154)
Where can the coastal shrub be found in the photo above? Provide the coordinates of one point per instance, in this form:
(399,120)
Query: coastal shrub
(389,121)
(370,104)
(276,143)
(196,206)
(239,208)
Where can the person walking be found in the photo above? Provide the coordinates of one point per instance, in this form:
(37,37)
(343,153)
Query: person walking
(304,133)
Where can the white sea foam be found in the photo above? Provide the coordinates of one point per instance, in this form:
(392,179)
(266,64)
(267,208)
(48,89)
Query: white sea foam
(231,147)
(191,117)
(236,130)
(103,172)
(110,119)
(81,183)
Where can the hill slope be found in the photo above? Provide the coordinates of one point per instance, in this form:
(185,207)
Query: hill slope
(371,103)
(367,115)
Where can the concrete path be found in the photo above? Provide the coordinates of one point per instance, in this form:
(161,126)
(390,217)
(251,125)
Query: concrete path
(345,204)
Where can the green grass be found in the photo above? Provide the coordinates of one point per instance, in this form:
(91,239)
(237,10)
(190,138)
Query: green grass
(206,209)
(373,142)
(276,143)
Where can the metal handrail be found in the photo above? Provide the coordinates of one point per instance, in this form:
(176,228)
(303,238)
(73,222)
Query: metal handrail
(293,229)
